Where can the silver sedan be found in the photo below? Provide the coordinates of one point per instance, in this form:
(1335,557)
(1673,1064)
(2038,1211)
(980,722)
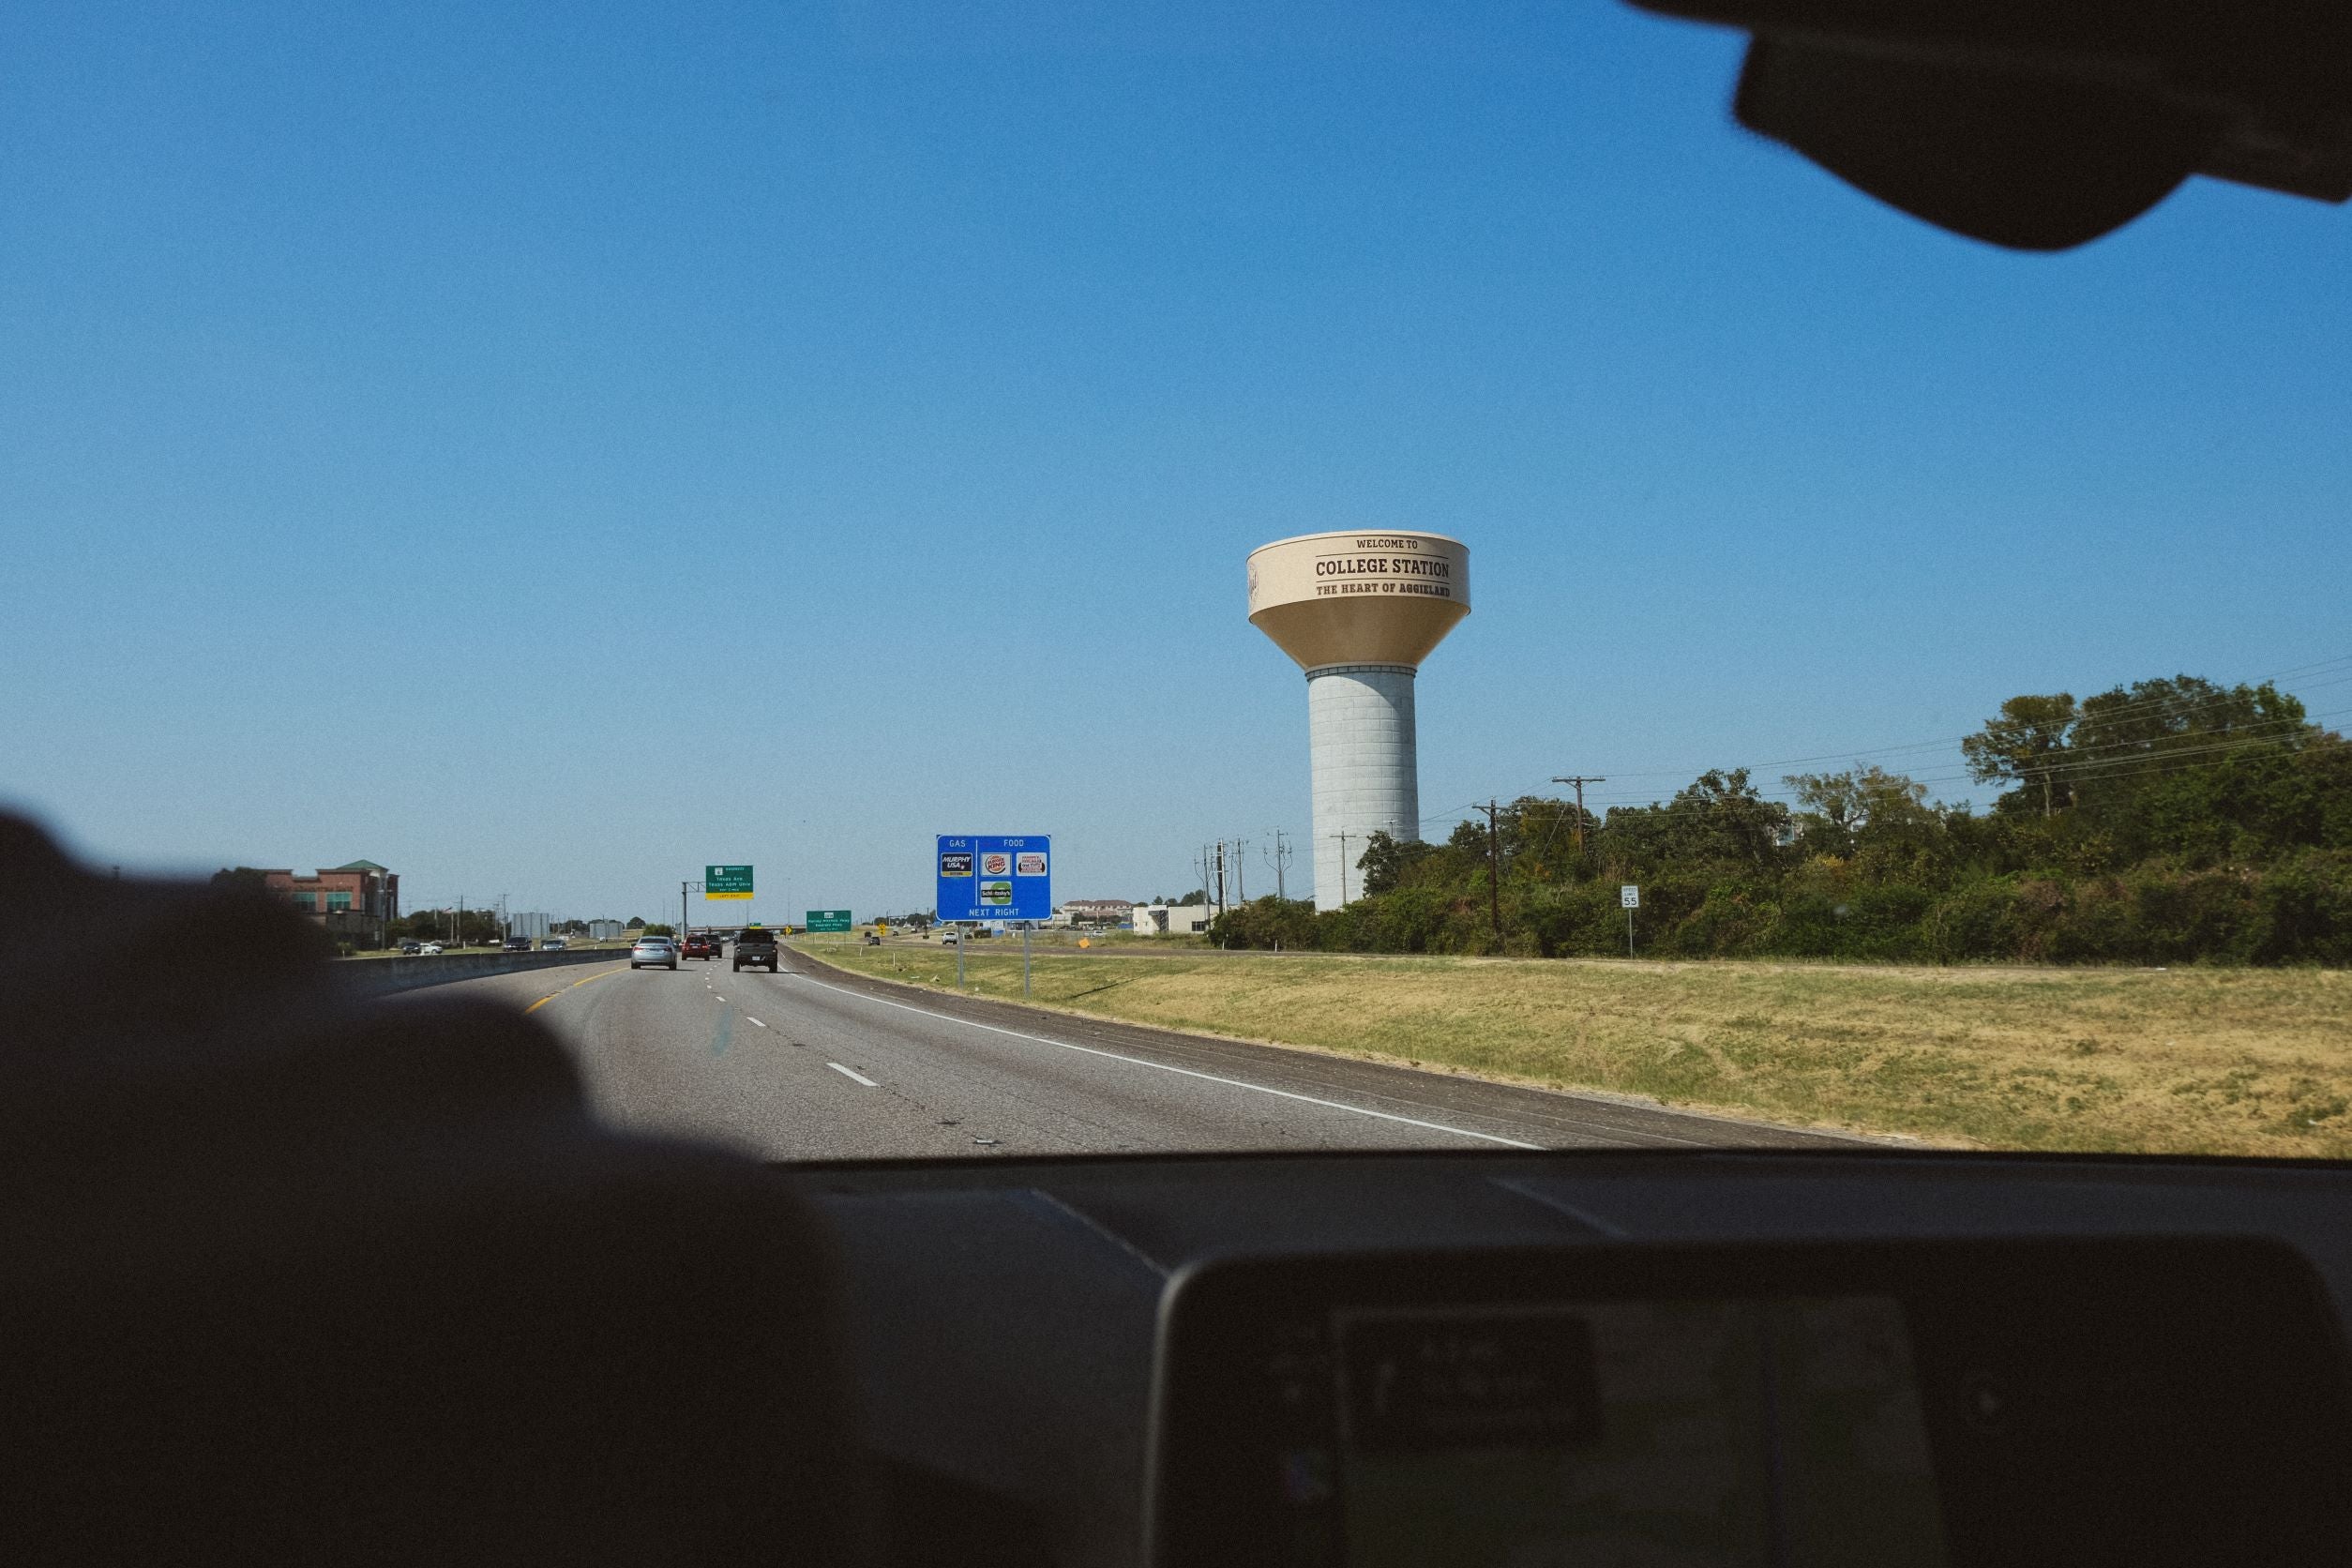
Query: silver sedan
(653,950)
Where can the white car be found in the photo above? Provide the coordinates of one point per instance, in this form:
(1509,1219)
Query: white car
(428,947)
(950,939)
(654,950)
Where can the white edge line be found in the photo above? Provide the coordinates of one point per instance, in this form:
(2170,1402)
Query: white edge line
(852,1072)
(1164,1067)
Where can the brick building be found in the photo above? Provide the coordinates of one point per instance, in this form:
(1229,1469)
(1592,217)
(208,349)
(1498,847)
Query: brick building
(354,899)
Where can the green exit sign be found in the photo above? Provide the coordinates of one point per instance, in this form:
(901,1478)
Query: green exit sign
(726,881)
(829,920)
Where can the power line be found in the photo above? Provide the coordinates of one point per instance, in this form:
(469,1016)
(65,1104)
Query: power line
(2117,755)
(2123,710)
(2163,756)
(2121,758)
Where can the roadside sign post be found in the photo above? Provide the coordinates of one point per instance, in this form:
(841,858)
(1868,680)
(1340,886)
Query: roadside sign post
(984,878)
(1630,896)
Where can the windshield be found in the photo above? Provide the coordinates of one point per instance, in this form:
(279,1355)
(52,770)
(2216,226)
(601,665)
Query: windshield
(1329,579)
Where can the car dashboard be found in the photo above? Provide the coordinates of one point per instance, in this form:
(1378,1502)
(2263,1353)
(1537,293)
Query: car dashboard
(1782,1358)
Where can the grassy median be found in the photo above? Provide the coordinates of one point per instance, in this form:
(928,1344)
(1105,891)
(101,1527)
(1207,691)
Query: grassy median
(2199,1061)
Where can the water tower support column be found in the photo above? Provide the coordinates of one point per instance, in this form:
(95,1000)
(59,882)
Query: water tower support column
(1360,738)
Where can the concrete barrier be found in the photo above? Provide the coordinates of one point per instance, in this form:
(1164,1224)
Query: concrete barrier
(383,976)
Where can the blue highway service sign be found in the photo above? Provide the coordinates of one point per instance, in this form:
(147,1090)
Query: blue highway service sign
(983,878)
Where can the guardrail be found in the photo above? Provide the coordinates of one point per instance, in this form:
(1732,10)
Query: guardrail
(383,976)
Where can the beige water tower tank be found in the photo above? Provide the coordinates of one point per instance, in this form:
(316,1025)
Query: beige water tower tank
(1359,611)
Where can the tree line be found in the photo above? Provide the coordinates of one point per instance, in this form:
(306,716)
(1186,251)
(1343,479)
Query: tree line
(2170,821)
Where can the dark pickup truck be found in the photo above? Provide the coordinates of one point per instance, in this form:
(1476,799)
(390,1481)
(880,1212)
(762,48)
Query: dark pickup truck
(756,946)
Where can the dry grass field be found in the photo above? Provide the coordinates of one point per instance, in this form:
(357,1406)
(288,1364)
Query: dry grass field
(2200,1060)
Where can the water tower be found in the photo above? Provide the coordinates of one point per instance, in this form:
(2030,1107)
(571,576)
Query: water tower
(1358,611)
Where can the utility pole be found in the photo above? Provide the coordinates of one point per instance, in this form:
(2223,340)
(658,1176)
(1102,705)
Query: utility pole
(1343,865)
(1494,876)
(1581,780)
(1220,876)
(1241,870)
(1278,859)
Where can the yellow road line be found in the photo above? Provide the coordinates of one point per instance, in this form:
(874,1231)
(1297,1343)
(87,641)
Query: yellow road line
(573,986)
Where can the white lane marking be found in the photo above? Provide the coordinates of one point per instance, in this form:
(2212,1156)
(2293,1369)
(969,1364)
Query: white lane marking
(755,1021)
(852,1072)
(1181,1072)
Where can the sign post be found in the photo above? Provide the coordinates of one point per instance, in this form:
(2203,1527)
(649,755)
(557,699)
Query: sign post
(1630,896)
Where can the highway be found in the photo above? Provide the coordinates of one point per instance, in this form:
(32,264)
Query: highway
(814,1064)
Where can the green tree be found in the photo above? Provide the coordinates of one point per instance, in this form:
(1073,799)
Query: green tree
(2025,745)
(1386,860)
(636,923)
(1720,818)
(241,876)
(1862,808)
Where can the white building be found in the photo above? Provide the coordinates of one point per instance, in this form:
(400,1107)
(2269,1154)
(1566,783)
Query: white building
(1093,912)
(532,923)
(606,931)
(1172,920)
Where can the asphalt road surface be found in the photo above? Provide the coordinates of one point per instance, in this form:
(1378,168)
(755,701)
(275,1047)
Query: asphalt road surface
(815,1064)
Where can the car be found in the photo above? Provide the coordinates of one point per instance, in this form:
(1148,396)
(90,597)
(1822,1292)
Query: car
(412,948)
(428,948)
(654,950)
(518,945)
(700,945)
(552,944)
(757,947)
(948,939)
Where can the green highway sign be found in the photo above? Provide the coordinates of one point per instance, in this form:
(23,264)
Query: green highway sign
(726,881)
(829,920)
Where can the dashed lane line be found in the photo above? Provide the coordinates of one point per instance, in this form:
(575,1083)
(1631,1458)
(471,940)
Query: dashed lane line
(853,1073)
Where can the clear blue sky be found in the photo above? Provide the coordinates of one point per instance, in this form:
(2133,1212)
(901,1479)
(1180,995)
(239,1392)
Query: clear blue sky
(548,448)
